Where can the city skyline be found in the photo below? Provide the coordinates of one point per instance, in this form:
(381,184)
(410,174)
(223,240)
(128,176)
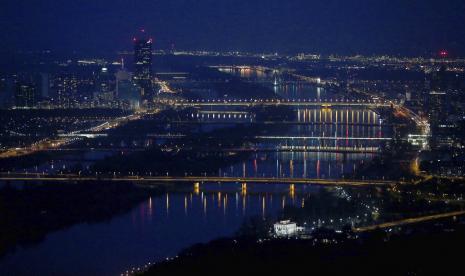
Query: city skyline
(166,137)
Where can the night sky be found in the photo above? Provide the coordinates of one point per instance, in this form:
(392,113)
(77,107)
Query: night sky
(406,27)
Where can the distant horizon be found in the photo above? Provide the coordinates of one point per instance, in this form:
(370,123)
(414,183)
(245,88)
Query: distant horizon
(83,53)
(395,27)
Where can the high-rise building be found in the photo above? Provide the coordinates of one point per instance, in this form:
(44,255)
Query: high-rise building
(65,89)
(105,84)
(439,80)
(143,65)
(45,85)
(126,89)
(25,95)
(4,97)
(440,105)
(437,107)
(436,97)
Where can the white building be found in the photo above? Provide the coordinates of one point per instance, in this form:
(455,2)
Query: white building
(285,228)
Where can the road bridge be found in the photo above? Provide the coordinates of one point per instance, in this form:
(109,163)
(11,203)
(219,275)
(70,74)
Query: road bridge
(276,102)
(330,149)
(280,137)
(155,180)
(220,121)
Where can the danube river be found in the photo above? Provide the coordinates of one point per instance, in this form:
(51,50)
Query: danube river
(157,228)
(318,143)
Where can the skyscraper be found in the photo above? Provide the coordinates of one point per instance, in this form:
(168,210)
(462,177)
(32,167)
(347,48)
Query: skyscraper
(437,108)
(126,90)
(143,65)
(65,88)
(4,97)
(44,85)
(105,84)
(25,95)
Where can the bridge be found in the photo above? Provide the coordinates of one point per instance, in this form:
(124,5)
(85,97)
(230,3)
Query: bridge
(328,149)
(156,180)
(337,138)
(280,137)
(275,102)
(248,121)
(304,116)
(258,68)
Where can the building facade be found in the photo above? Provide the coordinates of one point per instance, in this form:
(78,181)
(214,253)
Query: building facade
(285,228)
(25,95)
(143,66)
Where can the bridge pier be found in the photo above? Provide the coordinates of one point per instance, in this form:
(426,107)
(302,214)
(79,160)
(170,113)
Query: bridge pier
(244,189)
(197,188)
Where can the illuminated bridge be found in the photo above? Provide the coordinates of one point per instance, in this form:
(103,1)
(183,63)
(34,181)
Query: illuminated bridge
(307,116)
(323,138)
(276,102)
(281,148)
(277,137)
(155,180)
(332,149)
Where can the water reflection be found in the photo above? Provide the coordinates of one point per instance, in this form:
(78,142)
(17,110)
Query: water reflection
(323,142)
(298,165)
(338,116)
(157,228)
(282,85)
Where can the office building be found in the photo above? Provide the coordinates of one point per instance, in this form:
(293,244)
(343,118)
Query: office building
(143,66)
(25,95)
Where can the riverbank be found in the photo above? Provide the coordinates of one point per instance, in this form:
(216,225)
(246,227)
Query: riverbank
(28,214)
(425,249)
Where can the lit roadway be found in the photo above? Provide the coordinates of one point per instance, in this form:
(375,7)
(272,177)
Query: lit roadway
(154,180)
(277,137)
(164,87)
(220,121)
(324,138)
(419,121)
(409,221)
(276,102)
(404,111)
(337,149)
(68,138)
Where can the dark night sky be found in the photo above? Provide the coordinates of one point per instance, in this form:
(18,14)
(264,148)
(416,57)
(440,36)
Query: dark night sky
(408,27)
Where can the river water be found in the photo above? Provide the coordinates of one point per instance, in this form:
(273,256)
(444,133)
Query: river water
(162,226)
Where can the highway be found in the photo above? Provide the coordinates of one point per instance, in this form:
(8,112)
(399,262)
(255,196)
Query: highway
(154,180)
(71,137)
(408,221)
(164,87)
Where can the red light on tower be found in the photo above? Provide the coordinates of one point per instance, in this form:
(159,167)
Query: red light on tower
(443,53)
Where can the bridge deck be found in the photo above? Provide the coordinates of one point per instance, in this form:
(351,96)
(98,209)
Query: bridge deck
(289,103)
(190,179)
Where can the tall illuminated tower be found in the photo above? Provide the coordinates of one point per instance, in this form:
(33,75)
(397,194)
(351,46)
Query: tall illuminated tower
(143,65)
